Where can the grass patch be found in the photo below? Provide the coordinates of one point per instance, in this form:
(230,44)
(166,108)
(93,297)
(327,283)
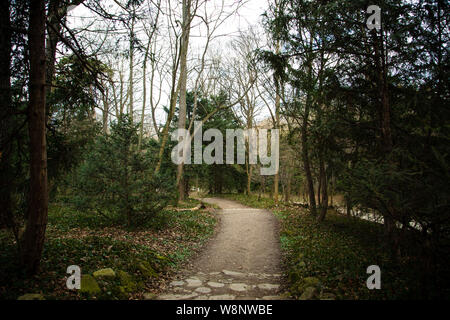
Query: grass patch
(338,252)
(93,242)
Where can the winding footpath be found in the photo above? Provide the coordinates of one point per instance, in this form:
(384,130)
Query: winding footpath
(241,262)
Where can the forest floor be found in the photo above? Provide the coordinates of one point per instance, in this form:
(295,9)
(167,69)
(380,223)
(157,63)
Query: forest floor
(250,249)
(143,259)
(243,260)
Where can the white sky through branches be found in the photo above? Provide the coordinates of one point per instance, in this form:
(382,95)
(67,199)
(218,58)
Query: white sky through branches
(109,44)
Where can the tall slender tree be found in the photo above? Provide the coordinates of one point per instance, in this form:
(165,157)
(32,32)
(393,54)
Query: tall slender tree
(33,238)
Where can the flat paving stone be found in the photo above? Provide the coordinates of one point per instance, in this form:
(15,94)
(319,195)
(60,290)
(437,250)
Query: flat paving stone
(177,296)
(233,273)
(222,297)
(203,290)
(268,286)
(246,298)
(215,284)
(192,282)
(272,298)
(177,283)
(238,287)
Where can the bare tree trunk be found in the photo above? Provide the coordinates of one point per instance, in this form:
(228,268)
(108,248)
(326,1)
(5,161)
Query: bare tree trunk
(306,164)
(249,167)
(165,132)
(122,101)
(186,187)
(302,192)
(249,178)
(144,81)
(323,179)
(305,151)
(144,98)
(331,190)
(105,110)
(33,239)
(57,11)
(175,89)
(319,188)
(277,124)
(131,84)
(52,42)
(130,89)
(105,116)
(261,186)
(183,80)
(287,194)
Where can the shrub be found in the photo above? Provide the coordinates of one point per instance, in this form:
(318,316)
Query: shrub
(117,181)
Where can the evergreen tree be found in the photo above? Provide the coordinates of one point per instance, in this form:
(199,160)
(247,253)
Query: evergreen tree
(117,181)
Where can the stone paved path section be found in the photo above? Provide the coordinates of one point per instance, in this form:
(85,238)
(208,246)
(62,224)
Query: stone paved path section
(241,262)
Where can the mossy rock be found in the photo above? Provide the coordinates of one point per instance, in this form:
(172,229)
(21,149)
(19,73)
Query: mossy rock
(327,296)
(119,292)
(299,285)
(106,273)
(126,282)
(146,269)
(294,276)
(89,285)
(311,282)
(309,293)
(31,296)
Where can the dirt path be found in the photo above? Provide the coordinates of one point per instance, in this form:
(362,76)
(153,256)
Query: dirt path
(241,262)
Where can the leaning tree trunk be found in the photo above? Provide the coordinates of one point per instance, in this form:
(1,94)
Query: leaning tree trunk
(33,238)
